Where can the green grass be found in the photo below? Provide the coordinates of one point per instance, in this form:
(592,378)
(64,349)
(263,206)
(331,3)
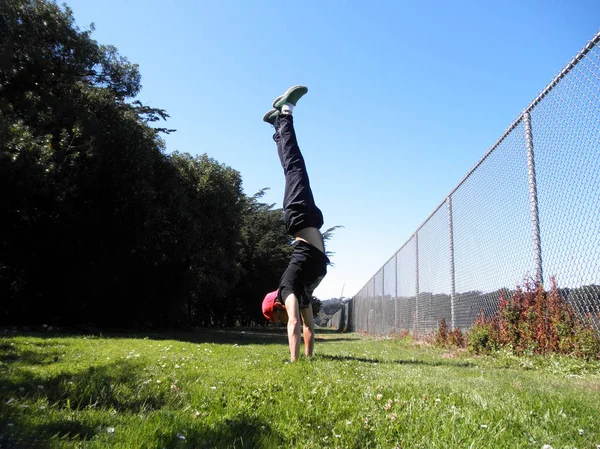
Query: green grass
(234,390)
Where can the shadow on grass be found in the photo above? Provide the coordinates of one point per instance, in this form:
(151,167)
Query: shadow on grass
(9,354)
(19,430)
(241,336)
(240,432)
(120,385)
(349,358)
(249,336)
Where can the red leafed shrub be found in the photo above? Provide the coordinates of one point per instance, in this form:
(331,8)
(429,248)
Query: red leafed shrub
(533,320)
(441,337)
(444,337)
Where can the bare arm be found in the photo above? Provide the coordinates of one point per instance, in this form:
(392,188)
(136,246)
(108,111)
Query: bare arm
(293,326)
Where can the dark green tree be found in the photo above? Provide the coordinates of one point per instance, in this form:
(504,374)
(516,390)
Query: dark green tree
(265,249)
(99,225)
(209,233)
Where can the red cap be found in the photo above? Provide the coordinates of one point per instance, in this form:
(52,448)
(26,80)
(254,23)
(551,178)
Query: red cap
(268,305)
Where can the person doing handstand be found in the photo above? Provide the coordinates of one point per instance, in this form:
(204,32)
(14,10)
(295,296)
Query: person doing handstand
(303,219)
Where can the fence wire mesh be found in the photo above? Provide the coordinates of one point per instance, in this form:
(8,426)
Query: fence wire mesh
(529,210)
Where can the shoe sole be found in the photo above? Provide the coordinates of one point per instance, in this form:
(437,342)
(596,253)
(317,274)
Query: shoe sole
(268,115)
(287,93)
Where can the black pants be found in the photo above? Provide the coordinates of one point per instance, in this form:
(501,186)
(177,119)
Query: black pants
(308,265)
(299,208)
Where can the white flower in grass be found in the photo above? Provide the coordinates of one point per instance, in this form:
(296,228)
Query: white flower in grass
(580,431)
(483,426)
(181,436)
(546,446)
(42,407)
(110,430)
(337,436)
(213,388)
(379,396)
(438,400)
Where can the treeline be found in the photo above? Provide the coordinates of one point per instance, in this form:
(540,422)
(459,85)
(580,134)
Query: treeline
(328,308)
(98,223)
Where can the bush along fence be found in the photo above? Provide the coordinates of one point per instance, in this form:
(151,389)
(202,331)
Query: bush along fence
(529,321)
(527,212)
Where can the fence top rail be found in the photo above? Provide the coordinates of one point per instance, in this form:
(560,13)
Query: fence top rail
(584,51)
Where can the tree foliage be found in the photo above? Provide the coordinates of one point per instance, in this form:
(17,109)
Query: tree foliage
(264,254)
(99,225)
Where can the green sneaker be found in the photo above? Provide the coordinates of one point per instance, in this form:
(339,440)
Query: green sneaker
(292,95)
(271,116)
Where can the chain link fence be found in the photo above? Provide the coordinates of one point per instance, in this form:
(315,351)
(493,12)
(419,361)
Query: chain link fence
(529,210)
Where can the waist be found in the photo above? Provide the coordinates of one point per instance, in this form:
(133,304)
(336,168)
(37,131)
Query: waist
(312,236)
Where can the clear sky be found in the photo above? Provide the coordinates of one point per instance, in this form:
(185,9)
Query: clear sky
(404,97)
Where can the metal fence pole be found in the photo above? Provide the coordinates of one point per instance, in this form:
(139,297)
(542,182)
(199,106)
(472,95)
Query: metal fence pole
(416,326)
(452,276)
(396,292)
(373,306)
(382,300)
(533,199)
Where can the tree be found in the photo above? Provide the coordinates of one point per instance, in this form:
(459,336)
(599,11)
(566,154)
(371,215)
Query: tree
(316,305)
(99,225)
(77,155)
(265,249)
(105,227)
(210,232)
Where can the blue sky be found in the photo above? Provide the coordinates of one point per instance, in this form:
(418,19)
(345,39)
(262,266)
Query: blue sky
(404,97)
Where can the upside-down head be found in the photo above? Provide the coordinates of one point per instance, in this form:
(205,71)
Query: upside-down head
(272,309)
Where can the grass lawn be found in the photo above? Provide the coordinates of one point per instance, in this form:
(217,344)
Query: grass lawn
(234,389)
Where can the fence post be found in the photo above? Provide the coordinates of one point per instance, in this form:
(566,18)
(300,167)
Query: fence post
(373,306)
(416,326)
(396,292)
(382,300)
(533,200)
(452,276)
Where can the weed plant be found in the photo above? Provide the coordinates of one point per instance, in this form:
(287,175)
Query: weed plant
(531,321)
